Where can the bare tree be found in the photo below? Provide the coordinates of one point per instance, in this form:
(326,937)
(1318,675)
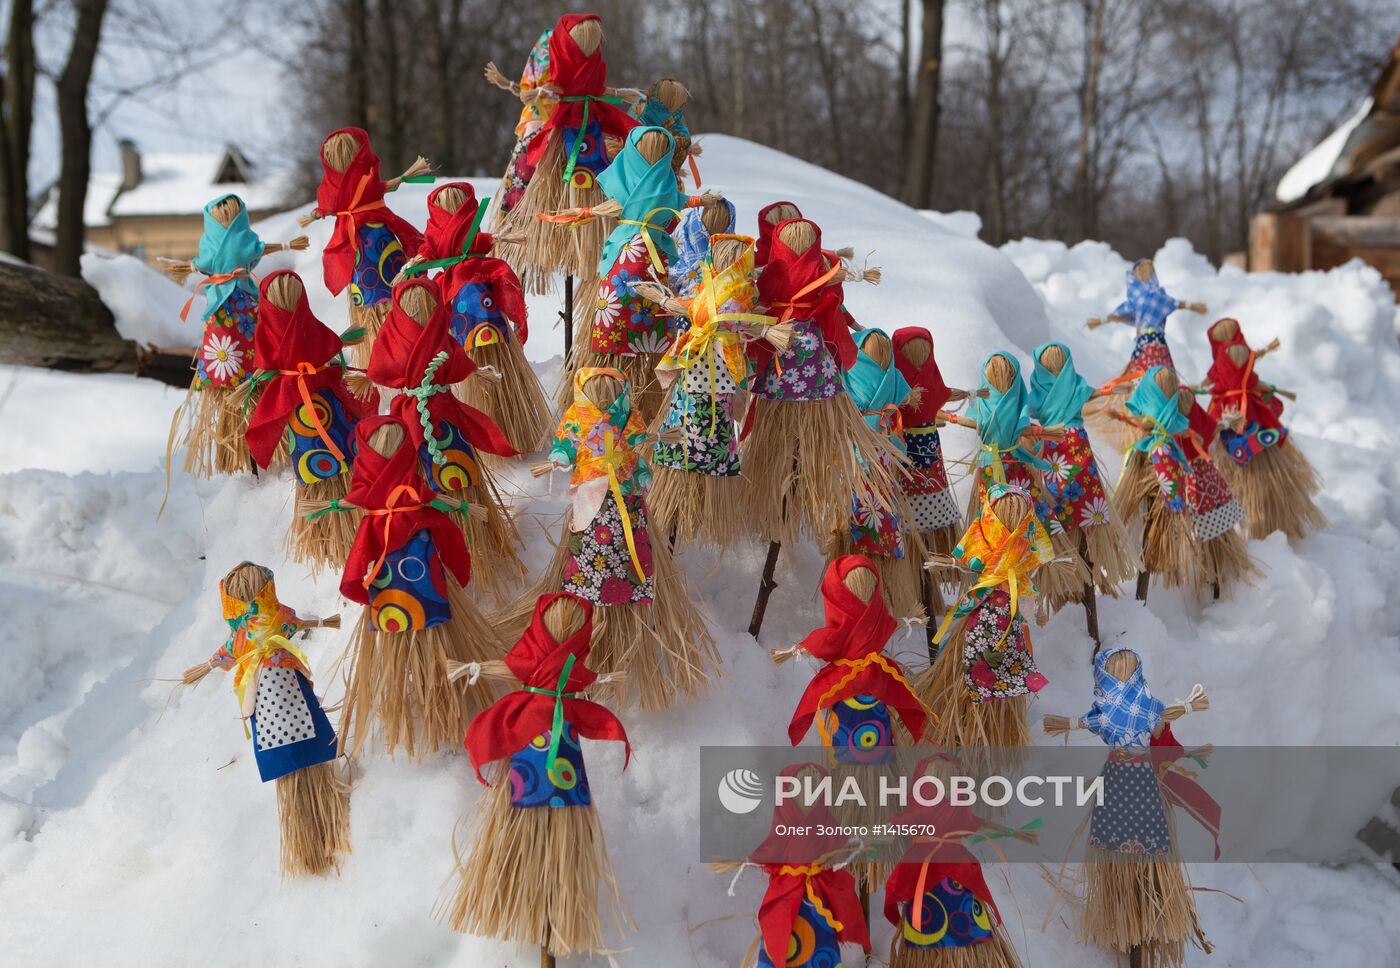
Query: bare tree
(16,129)
(922,144)
(76,133)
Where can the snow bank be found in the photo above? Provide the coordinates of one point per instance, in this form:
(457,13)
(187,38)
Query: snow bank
(132,823)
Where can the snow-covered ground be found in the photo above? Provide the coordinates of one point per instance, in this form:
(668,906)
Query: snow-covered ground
(133,828)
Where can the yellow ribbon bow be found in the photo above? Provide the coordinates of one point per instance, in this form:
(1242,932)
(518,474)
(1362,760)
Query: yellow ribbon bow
(264,646)
(645,225)
(611,460)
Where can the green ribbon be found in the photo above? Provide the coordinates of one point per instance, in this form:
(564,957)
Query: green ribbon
(419,268)
(556,729)
(1005,832)
(587,100)
(421,394)
(335,505)
(461,507)
(419,180)
(352,334)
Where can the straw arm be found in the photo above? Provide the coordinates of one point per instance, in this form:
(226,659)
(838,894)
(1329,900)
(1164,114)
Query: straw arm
(629,94)
(954,418)
(1272,345)
(421,166)
(299,244)
(1061,725)
(309,217)
(495,78)
(1096,321)
(1195,307)
(545,467)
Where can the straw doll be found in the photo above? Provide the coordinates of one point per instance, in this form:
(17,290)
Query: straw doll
(306,402)
(887,536)
(664,107)
(369,243)
(650,624)
(1272,478)
(807,448)
(1009,453)
(416,355)
(1150,497)
(856,696)
(409,567)
(810,907)
(692,235)
(1220,548)
(1137,899)
(936,514)
(775,214)
(537,871)
(561,164)
(937,897)
(293,742)
(229,251)
(697,493)
(488,313)
(985,668)
(537,100)
(1073,480)
(627,329)
(1147,307)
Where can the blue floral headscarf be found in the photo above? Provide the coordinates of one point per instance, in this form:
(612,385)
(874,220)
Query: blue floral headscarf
(1124,712)
(1057,399)
(224,249)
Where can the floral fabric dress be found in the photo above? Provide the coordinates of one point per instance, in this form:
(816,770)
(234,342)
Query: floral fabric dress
(927,488)
(625,323)
(805,371)
(703,406)
(608,547)
(226,349)
(532,118)
(1075,488)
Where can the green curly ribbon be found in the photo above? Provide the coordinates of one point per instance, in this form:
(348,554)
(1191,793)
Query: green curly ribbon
(421,394)
(556,731)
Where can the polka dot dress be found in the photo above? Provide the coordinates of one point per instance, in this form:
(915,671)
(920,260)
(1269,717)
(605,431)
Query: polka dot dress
(1133,818)
(281,712)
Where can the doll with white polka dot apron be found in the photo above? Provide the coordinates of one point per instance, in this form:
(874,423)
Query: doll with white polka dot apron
(293,742)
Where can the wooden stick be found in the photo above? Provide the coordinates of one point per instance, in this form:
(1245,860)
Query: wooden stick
(1091,601)
(567,315)
(766,584)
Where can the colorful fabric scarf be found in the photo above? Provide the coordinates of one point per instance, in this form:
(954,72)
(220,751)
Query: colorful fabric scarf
(1236,387)
(651,112)
(1148,305)
(260,631)
(999,557)
(878,392)
(801,286)
(799,870)
(1001,419)
(299,356)
(721,307)
(692,240)
(425,362)
(650,200)
(1124,712)
(766,231)
(551,674)
(852,644)
(927,377)
(535,74)
(227,255)
(1057,399)
(354,196)
(1162,414)
(398,503)
(582,80)
(601,447)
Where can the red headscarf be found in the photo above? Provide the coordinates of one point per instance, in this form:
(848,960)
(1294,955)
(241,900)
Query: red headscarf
(943,857)
(1198,437)
(298,348)
(791,285)
(1237,387)
(577,75)
(537,660)
(765,233)
(783,858)
(402,353)
(443,239)
(851,643)
(926,377)
(354,196)
(396,501)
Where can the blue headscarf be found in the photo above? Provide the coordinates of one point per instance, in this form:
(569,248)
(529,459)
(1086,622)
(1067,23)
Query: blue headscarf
(692,241)
(223,249)
(655,114)
(1002,417)
(1124,713)
(1148,304)
(641,187)
(1167,420)
(1057,399)
(873,388)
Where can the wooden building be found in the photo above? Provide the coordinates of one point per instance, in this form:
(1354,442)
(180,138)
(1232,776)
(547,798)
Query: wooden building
(1341,201)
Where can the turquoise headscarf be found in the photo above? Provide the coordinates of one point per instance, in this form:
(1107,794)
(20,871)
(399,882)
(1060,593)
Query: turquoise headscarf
(1057,399)
(223,249)
(656,114)
(873,388)
(1001,419)
(1160,408)
(640,187)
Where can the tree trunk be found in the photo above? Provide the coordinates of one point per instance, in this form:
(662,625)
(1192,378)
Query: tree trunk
(921,153)
(358,66)
(1086,220)
(58,322)
(18,125)
(76,134)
